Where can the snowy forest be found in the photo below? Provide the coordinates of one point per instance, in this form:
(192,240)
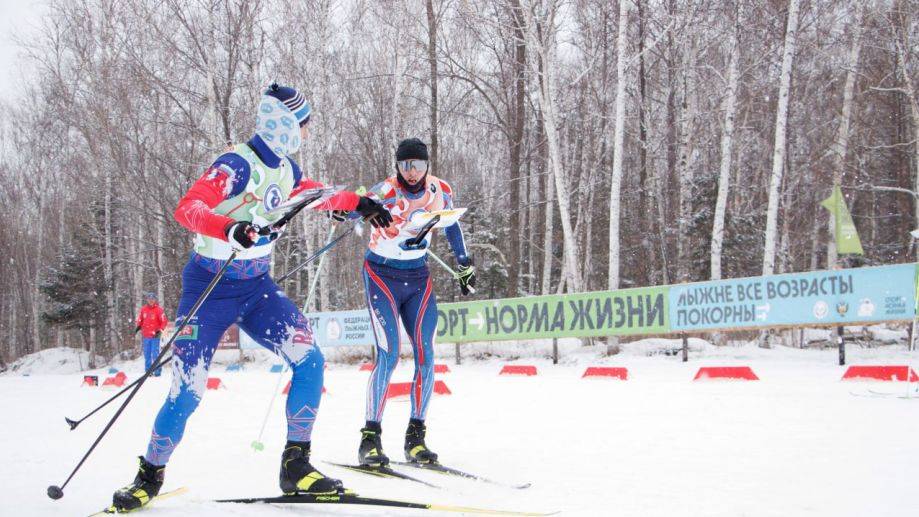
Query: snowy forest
(599,144)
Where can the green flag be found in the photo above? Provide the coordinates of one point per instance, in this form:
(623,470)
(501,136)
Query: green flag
(846,236)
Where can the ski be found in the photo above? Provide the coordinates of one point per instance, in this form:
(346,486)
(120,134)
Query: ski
(163,495)
(884,395)
(899,395)
(437,467)
(354,499)
(381,471)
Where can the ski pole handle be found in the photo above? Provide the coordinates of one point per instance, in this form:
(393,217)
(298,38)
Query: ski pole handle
(449,269)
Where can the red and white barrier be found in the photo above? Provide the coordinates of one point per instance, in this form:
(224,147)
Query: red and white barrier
(366,367)
(440,388)
(880,373)
(734,373)
(608,372)
(518,369)
(116,381)
(214,383)
(398,390)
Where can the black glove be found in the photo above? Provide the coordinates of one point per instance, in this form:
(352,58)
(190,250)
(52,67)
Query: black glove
(241,235)
(374,212)
(136,330)
(466,277)
(158,333)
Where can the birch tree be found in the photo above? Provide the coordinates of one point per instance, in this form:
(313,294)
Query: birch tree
(841,143)
(727,140)
(778,154)
(541,32)
(618,137)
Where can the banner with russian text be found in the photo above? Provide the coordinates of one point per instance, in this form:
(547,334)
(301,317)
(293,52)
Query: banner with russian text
(603,313)
(819,298)
(338,328)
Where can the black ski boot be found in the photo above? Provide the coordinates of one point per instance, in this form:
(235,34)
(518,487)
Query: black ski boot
(297,475)
(415,449)
(370,451)
(146,486)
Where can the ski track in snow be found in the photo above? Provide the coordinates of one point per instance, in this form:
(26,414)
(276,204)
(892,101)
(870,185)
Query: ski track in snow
(795,443)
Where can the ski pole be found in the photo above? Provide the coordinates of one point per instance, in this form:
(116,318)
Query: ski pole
(74,423)
(449,270)
(331,244)
(57,492)
(257,444)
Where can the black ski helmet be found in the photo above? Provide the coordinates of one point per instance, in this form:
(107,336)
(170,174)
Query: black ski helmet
(411,149)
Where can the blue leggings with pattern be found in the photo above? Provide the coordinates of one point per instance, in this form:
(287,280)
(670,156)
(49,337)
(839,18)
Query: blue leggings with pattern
(259,307)
(406,294)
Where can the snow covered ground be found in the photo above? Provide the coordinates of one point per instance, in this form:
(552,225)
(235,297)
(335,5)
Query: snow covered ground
(798,442)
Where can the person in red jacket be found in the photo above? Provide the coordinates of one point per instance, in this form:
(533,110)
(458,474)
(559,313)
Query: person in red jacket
(151,322)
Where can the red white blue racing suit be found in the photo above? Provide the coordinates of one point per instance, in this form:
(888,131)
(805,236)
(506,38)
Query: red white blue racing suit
(398,287)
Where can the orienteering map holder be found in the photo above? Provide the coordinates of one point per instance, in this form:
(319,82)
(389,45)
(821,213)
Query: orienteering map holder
(445,218)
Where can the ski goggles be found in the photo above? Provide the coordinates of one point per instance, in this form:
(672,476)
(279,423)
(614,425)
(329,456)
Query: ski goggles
(418,165)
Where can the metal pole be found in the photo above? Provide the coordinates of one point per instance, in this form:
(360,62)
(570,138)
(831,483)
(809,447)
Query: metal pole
(685,348)
(458,357)
(554,350)
(257,443)
(842,345)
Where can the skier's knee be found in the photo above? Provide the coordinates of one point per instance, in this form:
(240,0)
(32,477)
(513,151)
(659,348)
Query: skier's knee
(185,402)
(427,361)
(387,361)
(312,362)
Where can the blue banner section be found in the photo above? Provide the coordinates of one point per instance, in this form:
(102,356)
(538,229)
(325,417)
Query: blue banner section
(344,328)
(816,298)
(341,328)
(338,328)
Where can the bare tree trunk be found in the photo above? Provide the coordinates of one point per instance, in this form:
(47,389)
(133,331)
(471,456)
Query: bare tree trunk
(517,120)
(727,140)
(398,71)
(901,37)
(211,76)
(160,262)
(841,145)
(432,61)
(92,346)
(36,336)
(685,166)
(532,198)
(778,155)
(618,137)
(112,324)
(548,243)
(137,287)
(542,38)
(815,244)
(647,176)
